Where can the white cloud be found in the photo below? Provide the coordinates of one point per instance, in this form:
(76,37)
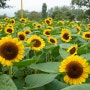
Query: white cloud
(32,5)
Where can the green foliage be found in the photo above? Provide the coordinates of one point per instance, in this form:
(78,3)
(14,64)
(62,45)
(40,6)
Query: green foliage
(6,83)
(44,10)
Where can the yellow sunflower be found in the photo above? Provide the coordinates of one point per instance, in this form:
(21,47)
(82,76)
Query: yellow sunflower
(11,50)
(6,19)
(12,21)
(9,30)
(38,42)
(49,27)
(38,26)
(65,35)
(22,36)
(23,20)
(88,26)
(52,40)
(27,31)
(86,35)
(46,32)
(10,25)
(76,69)
(73,49)
(48,21)
(78,29)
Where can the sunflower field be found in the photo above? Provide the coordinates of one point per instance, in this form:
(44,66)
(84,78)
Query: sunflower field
(44,55)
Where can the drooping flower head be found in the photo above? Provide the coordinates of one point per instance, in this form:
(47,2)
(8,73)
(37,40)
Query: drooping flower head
(11,50)
(76,69)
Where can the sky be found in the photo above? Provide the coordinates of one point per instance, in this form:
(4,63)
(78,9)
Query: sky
(32,5)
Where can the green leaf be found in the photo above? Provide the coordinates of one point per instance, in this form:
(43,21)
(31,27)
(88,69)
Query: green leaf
(65,45)
(38,80)
(6,83)
(24,63)
(86,56)
(78,87)
(50,67)
(63,53)
(55,85)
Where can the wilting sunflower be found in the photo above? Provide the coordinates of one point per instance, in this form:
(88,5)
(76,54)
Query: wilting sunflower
(65,35)
(11,50)
(22,36)
(23,20)
(48,21)
(76,69)
(9,30)
(73,49)
(27,31)
(38,42)
(86,35)
(52,40)
(46,32)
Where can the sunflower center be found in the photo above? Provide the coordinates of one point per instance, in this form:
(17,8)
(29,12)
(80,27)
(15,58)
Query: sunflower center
(66,36)
(27,32)
(8,50)
(47,33)
(47,21)
(9,30)
(51,40)
(74,69)
(21,37)
(72,51)
(37,42)
(87,35)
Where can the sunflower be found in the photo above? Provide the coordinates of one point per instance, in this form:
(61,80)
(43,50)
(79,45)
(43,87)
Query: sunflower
(65,35)
(38,26)
(49,27)
(10,25)
(76,69)
(88,26)
(9,30)
(73,49)
(22,36)
(86,35)
(12,21)
(27,31)
(6,19)
(48,21)
(38,42)
(46,32)
(78,29)
(23,20)
(11,50)
(52,40)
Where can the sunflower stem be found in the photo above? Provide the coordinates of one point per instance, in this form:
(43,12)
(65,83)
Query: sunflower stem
(10,71)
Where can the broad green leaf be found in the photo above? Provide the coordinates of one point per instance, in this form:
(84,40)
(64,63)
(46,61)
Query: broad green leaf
(50,67)
(63,53)
(65,45)
(55,85)
(38,80)
(6,83)
(24,63)
(86,56)
(78,87)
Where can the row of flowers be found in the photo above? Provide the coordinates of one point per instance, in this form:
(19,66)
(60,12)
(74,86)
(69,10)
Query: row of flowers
(44,37)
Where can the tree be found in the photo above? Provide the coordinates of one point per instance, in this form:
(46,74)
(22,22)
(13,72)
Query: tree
(44,10)
(3,4)
(81,3)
